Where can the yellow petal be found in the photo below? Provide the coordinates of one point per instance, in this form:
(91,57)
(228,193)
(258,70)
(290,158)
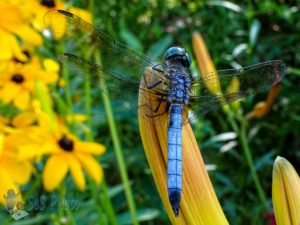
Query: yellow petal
(24,119)
(84,14)
(22,100)
(51,65)
(76,171)
(89,147)
(199,204)
(29,35)
(29,151)
(9,92)
(6,183)
(1,143)
(263,108)
(54,172)
(285,193)
(76,117)
(20,171)
(91,166)
(6,52)
(206,66)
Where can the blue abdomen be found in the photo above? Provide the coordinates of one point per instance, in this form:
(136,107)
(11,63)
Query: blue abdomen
(175,156)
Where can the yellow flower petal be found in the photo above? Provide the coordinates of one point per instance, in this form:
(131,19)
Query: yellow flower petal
(29,151)
(1,143)
(206,66)
(76,171)
(54,172)
(91,166)
(6,52)
(89,147)
(84,14)
(263,108)
(19,171)
(9,91)
(6,183)
(24,119)
(28,35)
(22,100)
(51,65)
(285,193)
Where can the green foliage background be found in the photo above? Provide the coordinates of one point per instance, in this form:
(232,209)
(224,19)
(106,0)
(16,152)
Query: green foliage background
(241,32)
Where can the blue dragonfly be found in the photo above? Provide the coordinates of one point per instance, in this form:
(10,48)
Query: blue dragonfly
(160,89)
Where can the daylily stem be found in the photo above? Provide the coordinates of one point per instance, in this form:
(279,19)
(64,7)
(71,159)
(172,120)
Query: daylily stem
(241,131)
(97,205)
(247,153)
(107,204)
(118,151)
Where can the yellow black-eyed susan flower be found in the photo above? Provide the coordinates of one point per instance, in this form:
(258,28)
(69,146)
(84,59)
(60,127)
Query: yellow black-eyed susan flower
(13,24)
(66,153)
(17,81)
(39,8)
(13,172)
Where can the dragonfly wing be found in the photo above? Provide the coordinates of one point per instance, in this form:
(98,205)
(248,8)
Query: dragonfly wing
(120,67)
(212,90)
(130,94)
(82,39)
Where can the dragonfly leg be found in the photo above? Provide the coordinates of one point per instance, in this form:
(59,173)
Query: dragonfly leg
(152,85)
(156,68)
(160,100)
(160,114)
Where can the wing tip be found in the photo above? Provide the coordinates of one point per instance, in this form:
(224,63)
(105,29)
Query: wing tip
(65,13)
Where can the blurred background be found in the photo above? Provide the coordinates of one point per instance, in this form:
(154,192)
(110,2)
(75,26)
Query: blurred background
(236,33)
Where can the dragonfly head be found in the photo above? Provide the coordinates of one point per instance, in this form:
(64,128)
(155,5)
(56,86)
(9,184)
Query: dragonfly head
(177,55)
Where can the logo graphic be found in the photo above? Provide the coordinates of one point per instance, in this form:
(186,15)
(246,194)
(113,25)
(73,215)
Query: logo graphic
(14,206)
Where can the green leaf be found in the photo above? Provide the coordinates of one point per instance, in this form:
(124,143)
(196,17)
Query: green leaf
(113,191)
(131,40)
(143,214)
(160,46)
(226,4)
(239,49)
(254,31)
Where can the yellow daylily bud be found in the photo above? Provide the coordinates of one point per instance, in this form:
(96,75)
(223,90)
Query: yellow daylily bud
(206,66)
(199,204)
(263,108)
(232,88)
(286,193)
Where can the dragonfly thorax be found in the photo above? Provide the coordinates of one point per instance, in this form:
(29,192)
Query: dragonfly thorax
(179,88)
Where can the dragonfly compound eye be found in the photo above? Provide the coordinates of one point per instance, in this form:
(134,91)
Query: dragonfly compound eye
(179,54)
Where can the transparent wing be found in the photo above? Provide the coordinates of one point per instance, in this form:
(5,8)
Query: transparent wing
(212,90)
(80,37)
(119,68)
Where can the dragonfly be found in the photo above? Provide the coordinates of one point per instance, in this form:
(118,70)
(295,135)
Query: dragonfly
(159,89)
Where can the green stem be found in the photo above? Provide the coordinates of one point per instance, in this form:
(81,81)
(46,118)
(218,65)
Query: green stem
(88,104)
(102,220)
(242,133)
(108,205)
(117,147)
(99,198)
(248,155)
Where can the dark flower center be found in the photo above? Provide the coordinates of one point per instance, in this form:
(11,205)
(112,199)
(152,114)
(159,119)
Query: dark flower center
(17,78)
(66,144)
(48,3)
